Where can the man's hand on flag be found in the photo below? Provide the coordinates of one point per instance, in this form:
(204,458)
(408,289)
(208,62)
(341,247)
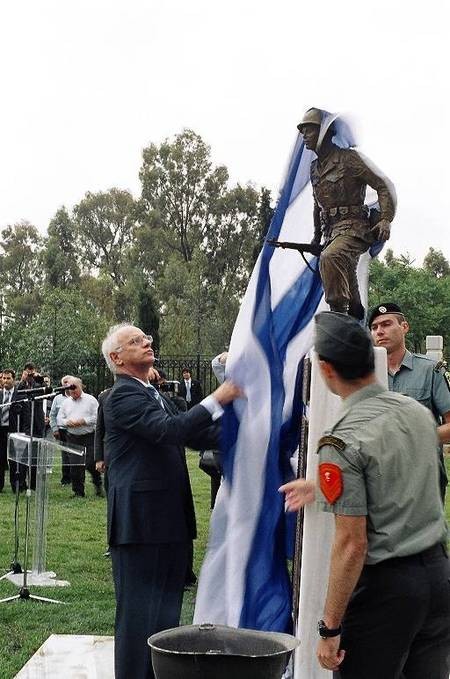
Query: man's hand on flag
(227,392)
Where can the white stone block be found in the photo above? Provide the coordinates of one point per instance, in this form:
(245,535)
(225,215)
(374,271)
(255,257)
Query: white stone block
(435,355)
(434,343)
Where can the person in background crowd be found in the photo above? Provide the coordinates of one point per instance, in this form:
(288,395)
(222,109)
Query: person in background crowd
(12,418)
(414,375)
(60,433)
(31,379)
(78,414)
(100,454)
(160,383)
(189,389)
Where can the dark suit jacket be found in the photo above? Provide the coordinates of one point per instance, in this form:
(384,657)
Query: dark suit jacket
(39,417)
(196,392)
(149,496)
(99,441)
(15,410)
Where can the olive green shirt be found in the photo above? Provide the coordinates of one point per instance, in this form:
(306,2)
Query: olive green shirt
(386,451)
(420,378)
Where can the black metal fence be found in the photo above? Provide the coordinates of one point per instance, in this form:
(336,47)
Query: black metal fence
(96,375)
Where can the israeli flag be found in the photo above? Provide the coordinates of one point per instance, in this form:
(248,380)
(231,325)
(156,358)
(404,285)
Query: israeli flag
(244,581)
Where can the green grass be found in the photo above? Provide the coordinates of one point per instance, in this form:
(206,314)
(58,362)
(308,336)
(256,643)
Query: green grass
(76,542)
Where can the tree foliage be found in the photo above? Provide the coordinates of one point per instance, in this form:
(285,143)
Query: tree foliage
(60,254)
(423,296)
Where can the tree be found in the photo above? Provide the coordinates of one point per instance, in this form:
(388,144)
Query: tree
(20,270)
(66,332)
(265,214)
(181,188)
(105,224)
(423,298)
(60,253)
(436,263)
(147,313)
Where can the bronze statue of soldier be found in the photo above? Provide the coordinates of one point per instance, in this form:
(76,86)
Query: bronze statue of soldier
(343,227)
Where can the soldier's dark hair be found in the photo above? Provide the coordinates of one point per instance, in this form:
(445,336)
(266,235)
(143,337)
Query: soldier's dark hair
(354,371)
(9,371)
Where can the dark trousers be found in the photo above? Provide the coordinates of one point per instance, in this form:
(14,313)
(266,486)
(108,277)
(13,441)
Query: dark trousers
(17,471)
(148,581)
(65,458)
(77,472)
(3,454)
(397,624)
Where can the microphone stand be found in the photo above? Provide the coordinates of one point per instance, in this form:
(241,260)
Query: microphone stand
(24,592)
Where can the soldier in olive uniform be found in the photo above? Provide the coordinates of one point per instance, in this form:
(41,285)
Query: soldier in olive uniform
(387,611)
(339,179)
(414,375)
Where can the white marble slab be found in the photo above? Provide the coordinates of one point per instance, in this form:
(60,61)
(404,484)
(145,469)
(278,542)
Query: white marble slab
(71,656)
(47,579)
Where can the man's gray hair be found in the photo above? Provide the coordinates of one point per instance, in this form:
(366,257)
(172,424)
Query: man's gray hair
(109,344)
(67,379)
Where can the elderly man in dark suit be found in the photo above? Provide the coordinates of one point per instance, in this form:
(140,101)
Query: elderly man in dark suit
(151,516)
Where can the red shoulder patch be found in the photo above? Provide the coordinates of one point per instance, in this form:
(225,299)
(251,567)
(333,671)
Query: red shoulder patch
(331,482)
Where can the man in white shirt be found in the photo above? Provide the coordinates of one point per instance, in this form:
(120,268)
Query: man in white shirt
(78,415)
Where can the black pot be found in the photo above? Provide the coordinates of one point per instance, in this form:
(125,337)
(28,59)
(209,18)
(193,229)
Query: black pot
(219,652)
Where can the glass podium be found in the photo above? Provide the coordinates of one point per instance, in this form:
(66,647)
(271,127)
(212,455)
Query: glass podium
(37,455)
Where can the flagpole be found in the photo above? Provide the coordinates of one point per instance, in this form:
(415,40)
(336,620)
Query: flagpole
(301,473)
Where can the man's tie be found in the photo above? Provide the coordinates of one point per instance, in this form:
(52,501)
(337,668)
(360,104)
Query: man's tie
(5,411)
(157,395)
(188,391)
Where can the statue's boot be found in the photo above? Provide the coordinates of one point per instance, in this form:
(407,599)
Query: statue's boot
(356,310)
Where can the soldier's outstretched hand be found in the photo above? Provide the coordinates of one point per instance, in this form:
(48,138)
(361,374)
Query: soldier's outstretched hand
(298,493)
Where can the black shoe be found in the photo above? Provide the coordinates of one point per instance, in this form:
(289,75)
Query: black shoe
(65,482)
(77,495)
(107,554)
(99,491)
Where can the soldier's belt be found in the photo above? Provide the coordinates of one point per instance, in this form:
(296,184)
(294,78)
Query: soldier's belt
(333,214)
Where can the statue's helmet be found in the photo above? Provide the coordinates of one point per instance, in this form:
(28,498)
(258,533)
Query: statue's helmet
(313,116)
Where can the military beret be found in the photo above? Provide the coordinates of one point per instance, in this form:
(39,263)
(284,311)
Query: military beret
(341,338)
(381,309)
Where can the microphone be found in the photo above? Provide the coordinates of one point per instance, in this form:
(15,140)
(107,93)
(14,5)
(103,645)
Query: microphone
(38,391)
(67,387)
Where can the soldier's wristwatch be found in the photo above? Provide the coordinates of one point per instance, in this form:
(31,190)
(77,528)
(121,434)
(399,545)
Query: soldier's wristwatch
(325,632)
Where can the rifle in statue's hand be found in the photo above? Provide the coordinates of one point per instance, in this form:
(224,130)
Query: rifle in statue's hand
(312,248)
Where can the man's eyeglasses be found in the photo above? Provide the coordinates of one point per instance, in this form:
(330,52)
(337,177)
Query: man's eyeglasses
(137,341)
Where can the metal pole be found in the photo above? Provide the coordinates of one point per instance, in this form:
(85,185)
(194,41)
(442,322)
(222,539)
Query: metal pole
(301,474)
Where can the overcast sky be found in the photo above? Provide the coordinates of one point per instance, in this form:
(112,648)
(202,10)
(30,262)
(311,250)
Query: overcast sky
(87,84)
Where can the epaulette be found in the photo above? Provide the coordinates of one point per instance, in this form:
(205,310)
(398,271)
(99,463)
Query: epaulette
(329,440)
